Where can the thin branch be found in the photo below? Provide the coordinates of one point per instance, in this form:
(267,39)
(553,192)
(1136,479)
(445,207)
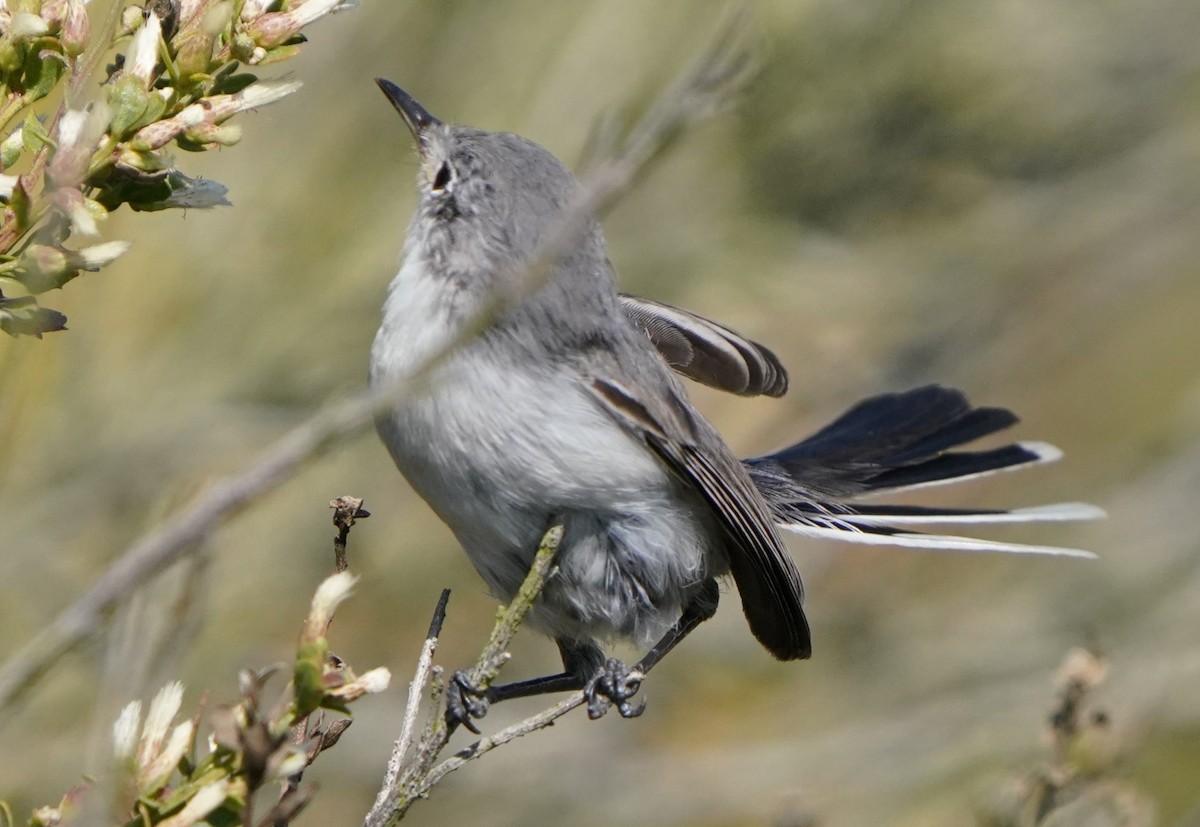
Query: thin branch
(484,745)
(413,782)
(710,83)
(495,653)
(416,691)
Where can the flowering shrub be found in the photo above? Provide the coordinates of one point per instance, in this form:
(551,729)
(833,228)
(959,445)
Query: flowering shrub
(177,77)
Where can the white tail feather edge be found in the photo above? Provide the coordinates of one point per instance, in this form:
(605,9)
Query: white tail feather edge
(1043,453)
(932,542)
(1033,514)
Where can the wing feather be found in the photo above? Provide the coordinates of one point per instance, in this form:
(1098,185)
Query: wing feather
(768,582)
(707,352)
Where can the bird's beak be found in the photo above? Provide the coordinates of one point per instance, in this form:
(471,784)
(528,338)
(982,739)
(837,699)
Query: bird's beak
(414,114)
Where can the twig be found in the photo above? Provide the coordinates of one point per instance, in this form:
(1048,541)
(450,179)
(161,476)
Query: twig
(416,691)
(541,720)
(345,511)
(495,653)
(424,669)
(415,779)
(709,83)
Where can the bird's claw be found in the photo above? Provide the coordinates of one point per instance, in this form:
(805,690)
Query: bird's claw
(614,684)
(465,702)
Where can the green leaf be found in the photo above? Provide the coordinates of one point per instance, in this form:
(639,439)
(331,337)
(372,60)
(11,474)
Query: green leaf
(188,144)
(22,316)
(224,817)
(309,676)
(10,151)
(18,205)
(336,705)
(129,102)
(44,66)
(10,60)
(33,134)
(278,54)
(232,84)
(155,106)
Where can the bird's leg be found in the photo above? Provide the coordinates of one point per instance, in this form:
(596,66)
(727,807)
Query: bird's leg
(465,701)
(584,667)
(617,683)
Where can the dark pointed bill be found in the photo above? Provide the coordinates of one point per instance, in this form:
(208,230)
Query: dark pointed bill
(413,113)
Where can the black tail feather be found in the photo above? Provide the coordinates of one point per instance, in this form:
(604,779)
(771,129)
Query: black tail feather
(957,466)
(895,441)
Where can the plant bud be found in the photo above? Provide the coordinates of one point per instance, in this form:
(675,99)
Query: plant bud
(194,45)
(141,61)
(270,30)
(131,18)
(26,26)
(75,28)
(45,268)
(211,133)
(53,11)
(129,102)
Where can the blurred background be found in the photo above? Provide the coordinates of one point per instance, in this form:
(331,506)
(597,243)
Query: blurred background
(1002,197)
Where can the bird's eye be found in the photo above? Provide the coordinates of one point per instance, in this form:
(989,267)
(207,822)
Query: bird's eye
(442,179)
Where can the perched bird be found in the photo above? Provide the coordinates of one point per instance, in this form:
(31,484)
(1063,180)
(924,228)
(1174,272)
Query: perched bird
(565,409)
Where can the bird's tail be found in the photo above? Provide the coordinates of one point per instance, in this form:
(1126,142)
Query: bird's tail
(898,442)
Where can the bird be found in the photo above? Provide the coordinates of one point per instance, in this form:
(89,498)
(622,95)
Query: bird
(568,408)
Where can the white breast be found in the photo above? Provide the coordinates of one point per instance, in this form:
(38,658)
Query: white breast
(499,447)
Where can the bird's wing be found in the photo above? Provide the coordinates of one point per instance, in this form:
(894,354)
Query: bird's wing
(707,352)
(767,579)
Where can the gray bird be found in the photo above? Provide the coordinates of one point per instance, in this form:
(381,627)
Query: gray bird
(566,409)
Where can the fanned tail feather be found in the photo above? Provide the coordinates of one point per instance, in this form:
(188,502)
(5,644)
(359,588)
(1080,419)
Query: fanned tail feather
(899,442)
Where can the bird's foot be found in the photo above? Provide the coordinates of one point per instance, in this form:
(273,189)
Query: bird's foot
(616,683)
(465,702)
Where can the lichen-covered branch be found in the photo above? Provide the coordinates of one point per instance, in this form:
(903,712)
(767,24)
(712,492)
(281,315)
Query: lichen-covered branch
(410,777)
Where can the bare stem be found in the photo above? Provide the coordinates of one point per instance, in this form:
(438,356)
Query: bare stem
(416,691)
(345,511)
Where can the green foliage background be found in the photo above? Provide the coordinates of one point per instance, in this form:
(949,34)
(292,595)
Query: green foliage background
(1002,197)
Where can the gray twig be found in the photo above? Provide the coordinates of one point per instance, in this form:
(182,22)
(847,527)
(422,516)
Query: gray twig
(416,691)
(405,783)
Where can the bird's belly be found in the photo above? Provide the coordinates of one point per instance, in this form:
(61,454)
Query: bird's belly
(500,454)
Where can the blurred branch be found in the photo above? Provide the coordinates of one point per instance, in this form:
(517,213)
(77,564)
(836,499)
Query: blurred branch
(1078,786)
(710,82)
(404,785)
